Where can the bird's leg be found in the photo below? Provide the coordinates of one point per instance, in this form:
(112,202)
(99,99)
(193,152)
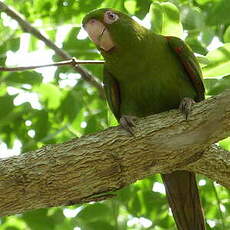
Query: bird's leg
(127,122)
(186,106)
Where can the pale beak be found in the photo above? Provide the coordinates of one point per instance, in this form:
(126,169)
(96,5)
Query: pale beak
(99,34)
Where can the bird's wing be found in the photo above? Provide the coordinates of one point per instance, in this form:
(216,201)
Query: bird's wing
(112,93)
(190,64)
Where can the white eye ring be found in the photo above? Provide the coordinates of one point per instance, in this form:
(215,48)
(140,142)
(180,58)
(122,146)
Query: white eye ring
(110,17)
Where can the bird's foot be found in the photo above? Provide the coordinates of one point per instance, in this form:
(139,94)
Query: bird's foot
(186,106)
(127,122)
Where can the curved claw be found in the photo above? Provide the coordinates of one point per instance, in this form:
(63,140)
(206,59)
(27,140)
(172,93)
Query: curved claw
(186,106)
(128,122)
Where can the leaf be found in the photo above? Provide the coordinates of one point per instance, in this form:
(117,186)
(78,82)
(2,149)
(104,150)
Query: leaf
(227,35)
(50,95)
(87,5)
(95,212)
(219,13)
(202,60)
(142,8)
(207,34)
(225,144)
(3,56)
(41,124)
(38,220)
(216,86)
(156,14)
(98,225)
(13,44)
(6,105)
(169,19)
(203,2)
(130,6)
(196,45)
(192,18)
(71,105)
(26,77)
(219,62)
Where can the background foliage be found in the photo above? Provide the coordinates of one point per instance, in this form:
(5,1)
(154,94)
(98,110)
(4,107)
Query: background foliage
(55,105)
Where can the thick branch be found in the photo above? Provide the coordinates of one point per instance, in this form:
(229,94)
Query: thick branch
(85,169)
(218,160)
(27,27)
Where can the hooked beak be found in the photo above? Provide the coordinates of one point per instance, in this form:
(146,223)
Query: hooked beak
(99,34)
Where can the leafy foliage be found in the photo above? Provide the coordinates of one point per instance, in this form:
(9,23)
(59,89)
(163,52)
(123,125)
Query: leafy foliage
(55,105)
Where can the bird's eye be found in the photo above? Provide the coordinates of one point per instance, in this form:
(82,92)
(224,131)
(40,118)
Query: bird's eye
(110,17)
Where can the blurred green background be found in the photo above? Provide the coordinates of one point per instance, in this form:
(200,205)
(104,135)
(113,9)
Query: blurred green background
(53,105)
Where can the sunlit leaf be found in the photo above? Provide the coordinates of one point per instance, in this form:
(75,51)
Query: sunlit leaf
(227,35)
(130,6)
(219,62)
(50,94)
(225,144)
(165,19)
(216,86)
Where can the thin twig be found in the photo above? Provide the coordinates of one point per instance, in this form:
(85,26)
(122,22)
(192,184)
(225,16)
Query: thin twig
(27,27)
(72,62)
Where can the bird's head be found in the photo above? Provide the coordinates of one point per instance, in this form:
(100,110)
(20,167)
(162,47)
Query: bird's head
(109,28)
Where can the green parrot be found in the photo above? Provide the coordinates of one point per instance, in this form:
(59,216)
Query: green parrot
(147,73)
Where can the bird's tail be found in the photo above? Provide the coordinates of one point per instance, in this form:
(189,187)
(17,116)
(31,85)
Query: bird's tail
(184,201)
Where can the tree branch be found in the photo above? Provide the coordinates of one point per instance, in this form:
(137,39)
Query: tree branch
(72,62)
(88,168)
(27,27)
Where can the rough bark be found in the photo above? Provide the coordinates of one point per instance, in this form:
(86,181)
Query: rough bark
(88,168)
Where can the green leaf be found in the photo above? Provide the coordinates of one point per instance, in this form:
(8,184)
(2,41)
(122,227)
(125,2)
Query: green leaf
(196,45)
(25,77)
(71,105)
(219,13)
(207,34)
(169,19)
(6,105)
(192,18)
(86,5)
(3,56)
(38,220)
(225,144)
(13,44)
(202,60)
(227,35)
(95,212)
(41,124)
(217,86)
(50,95)
(130,6)
(142,8)
(98,225)
(219,62)
(156,13)
(203,2)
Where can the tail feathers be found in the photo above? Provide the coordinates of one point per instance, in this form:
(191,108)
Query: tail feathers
(184,201)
